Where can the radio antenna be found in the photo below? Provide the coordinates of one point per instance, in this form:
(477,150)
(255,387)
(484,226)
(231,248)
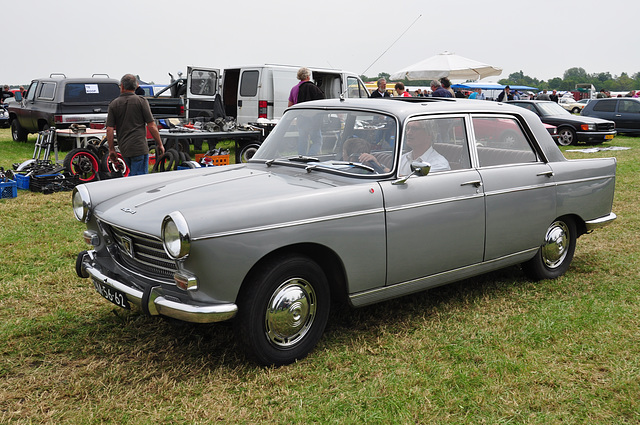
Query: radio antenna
(378,58)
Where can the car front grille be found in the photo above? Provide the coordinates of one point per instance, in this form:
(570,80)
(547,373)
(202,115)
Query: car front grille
(143,254)
(606,126)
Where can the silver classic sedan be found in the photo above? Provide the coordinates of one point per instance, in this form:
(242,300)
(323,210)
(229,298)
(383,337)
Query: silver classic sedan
(362,200)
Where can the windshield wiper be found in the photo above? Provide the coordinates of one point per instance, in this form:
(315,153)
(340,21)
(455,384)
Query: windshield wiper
(355,164)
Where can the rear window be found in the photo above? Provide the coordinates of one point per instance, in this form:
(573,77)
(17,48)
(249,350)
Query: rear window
(605,106)
(249,83)
(91,92)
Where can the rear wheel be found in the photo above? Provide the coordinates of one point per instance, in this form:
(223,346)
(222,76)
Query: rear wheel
(566,136)
(556,253)
(18,133)
(247,152)
(575,110)
(283,311)
(83,163)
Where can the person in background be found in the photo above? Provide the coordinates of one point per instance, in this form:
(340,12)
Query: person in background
(381,91)
(130,116)
(401,91)
(438,91)
(505,95)
(23,92)
(543,96)
(308,127)
(446,84)
(554,96)
(6,94)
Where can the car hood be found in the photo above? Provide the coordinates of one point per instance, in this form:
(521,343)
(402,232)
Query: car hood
(227,198)
(573,119)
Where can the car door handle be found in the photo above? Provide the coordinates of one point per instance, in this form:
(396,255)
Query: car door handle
(546,173)
(476,183)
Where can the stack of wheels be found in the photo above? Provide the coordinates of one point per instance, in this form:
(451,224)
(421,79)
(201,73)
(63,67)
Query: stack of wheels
(93,163)
(172,159)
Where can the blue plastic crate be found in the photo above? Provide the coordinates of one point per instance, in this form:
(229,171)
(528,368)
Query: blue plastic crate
(8,189)
(22,181)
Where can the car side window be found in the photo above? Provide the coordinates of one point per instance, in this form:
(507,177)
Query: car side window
(629,106)
(605,106)
(47,90)
(450,141)
(501,141)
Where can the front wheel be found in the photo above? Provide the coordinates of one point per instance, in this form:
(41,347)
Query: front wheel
(18,133)
(556,253)
(575,110)
(283,310)
(566,136)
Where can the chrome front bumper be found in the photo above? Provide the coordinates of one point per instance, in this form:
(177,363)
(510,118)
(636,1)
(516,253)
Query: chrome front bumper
(155,303)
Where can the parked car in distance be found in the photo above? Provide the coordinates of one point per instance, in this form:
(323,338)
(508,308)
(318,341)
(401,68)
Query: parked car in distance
(573,106)
(624,111)
(392,197)
(58,101)
(571,128)
(4,116)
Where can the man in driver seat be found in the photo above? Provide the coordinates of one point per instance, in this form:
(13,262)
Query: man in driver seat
(419,136)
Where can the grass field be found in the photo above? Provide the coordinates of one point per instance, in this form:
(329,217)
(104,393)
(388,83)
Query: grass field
(488,350)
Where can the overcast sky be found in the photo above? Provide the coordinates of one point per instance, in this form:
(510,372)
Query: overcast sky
(154,37)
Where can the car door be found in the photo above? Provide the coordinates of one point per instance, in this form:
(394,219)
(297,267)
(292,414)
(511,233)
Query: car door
(202,86)
(628,115)
(519,187)
(436,222)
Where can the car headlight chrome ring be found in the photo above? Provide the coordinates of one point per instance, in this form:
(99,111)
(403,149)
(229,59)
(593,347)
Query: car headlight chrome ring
(81,202)
(175,236)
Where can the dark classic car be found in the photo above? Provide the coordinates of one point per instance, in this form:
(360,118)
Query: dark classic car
(571,128)
(624,111)
(361,200)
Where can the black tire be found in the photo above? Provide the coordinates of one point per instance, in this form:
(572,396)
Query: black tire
(566,136)
(175,153)
(247,152)
(18,133)
(554,257)
(81,272)
(282,310)
(82,163)
(165,162)
(575,110)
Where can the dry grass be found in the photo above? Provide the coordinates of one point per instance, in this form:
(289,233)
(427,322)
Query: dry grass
(494,349)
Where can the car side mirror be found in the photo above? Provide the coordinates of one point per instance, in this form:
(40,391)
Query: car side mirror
(418,168)
(18,96)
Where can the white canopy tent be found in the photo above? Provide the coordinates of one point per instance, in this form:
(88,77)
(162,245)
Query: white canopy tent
(448,65)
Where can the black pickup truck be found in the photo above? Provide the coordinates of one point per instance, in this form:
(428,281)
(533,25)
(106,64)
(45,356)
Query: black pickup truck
(58,101)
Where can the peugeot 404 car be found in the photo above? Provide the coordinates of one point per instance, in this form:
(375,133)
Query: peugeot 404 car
(360,200)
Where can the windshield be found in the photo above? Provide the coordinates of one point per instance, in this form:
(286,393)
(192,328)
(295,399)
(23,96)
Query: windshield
(342,141)
(552,108)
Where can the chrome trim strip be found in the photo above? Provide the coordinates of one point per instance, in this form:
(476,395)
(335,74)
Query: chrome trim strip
(435,202)
(589,179)
(600,222)
(290,224)
(420,284)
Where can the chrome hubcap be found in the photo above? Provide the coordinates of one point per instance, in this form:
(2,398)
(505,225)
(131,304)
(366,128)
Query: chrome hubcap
(290,312)
(556,244)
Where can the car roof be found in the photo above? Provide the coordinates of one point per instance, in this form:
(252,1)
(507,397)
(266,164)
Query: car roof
(404,107)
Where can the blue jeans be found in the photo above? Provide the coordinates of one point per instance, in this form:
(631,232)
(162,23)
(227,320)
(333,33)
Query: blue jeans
(138,165)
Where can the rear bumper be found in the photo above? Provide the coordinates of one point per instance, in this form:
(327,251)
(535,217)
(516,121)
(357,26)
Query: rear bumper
(600,222)
(153,301)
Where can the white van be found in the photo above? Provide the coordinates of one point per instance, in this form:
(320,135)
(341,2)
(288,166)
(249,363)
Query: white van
(261,91)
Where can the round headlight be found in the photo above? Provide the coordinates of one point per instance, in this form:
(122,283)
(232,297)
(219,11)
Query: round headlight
(175,236)
(81,203)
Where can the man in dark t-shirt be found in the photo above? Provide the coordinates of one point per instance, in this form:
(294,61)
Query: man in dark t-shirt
(130,115)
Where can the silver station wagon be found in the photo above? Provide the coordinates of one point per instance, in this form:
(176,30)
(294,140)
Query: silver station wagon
(362,200)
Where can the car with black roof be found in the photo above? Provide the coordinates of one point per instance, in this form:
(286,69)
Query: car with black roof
(58,101)
(571,128)
(624,111)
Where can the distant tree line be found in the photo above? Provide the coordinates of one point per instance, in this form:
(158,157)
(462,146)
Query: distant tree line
(571,77)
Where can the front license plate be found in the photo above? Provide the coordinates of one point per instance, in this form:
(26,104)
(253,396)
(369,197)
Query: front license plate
(119,298)
(608,136)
